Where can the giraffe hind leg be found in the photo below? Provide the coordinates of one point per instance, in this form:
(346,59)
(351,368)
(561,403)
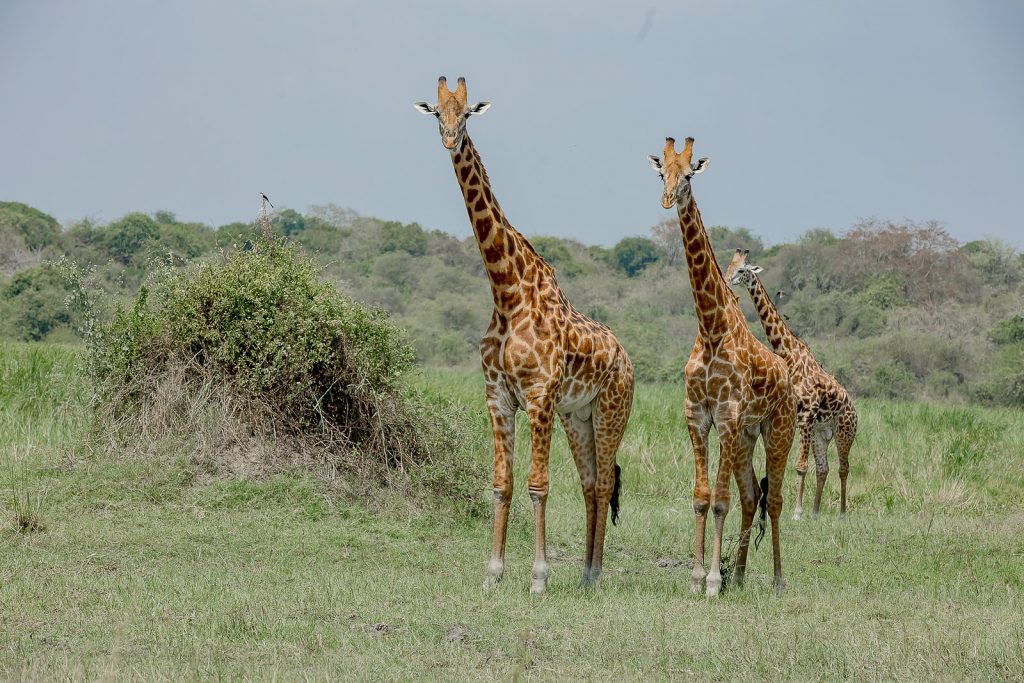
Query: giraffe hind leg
(746,482)
(843,442)
(611,414)
(778,439)
(580,434)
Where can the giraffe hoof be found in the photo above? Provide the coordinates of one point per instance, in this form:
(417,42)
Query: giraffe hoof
(780,585)
(797,514)
(697,579)
(538,586)
(492,577)
(589,580)
(714,585)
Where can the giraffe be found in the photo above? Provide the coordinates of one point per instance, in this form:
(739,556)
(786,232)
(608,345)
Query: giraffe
(824,408)
(733,382)
(539,355)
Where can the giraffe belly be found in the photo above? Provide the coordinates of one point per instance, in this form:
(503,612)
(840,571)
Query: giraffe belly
(576,401)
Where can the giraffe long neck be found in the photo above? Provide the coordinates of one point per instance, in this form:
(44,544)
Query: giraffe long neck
(505,252)
(779,334)
(711,296)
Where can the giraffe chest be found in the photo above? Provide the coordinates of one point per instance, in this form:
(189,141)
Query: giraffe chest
(571,393)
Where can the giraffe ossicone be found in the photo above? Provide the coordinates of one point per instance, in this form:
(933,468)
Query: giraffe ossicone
(539,355)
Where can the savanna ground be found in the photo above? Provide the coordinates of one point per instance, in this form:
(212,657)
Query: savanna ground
(142,572)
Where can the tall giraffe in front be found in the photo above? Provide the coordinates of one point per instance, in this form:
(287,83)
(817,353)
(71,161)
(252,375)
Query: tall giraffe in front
(823,406)
(540,355)
(733,382)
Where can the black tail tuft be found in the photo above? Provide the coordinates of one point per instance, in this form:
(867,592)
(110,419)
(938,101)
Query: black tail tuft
(615,494)
(763,504)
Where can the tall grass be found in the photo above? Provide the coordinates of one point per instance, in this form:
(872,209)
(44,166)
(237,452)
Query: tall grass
(146,573)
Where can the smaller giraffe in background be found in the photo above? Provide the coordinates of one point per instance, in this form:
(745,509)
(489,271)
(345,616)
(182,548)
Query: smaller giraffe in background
(824,408)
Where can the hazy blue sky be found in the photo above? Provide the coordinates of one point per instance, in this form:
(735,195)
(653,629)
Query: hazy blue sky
(814,114)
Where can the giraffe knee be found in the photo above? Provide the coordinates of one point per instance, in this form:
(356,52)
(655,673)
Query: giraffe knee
(721,507)
(701,505)
(502,492)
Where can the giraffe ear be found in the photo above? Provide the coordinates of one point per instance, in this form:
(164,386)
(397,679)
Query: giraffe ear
(424,108)
(655,163)
(755,269)
(478,108)
(701,164)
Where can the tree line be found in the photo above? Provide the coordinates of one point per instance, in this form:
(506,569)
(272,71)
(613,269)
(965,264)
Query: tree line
(897,310)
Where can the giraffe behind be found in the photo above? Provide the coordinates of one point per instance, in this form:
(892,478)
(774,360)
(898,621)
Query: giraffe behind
(824,408)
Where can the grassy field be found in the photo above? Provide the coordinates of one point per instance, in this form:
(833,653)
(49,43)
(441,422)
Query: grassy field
(139,572)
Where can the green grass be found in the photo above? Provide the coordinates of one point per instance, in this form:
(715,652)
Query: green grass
(141,573)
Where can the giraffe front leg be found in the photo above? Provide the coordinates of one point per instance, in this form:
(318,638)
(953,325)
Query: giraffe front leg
(698,425)
(503,426)
(730,453)
(806,439)
(821,469)
(541,414)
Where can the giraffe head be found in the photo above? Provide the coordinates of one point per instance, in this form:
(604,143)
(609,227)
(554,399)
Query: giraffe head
(676,169)
(452,111)
(739,271)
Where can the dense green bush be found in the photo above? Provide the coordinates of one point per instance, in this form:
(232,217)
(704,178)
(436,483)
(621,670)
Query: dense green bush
(1008,331)
(32,304)
(298,360)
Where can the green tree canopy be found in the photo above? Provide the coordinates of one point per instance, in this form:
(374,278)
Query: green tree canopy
(408,237)
(633,254)
(38,229)
(126,237)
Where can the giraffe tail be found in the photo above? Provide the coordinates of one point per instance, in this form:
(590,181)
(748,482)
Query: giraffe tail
(615,494)
(762,522)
